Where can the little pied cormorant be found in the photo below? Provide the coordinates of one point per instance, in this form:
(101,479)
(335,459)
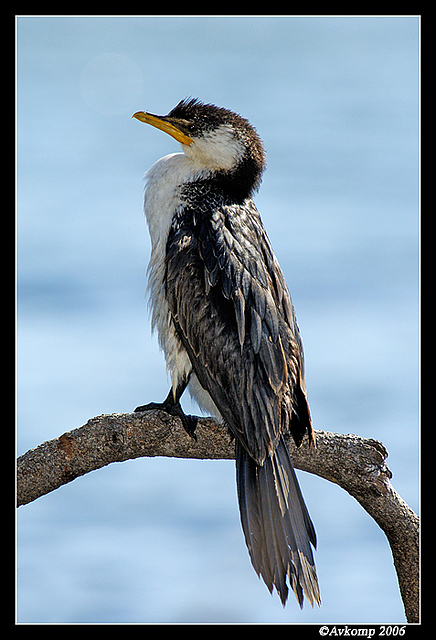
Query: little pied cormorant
(227,327)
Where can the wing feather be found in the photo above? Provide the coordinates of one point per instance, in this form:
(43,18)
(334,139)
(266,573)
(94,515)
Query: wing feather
(233,314)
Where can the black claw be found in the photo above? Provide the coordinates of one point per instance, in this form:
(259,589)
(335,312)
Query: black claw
(150,406)
(190,424)
(174,409)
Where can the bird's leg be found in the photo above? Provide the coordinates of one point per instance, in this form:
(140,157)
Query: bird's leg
(171,405)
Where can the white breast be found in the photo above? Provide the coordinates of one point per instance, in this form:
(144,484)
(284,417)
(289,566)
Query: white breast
(161,201)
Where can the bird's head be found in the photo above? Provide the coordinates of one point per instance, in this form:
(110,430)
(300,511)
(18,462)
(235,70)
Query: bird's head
(215,139)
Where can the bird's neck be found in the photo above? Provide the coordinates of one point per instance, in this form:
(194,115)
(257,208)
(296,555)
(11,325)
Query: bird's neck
(168,187)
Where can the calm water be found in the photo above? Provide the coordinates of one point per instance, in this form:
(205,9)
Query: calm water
(336,102)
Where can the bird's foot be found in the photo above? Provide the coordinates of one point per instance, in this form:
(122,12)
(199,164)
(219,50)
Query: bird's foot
(173,409)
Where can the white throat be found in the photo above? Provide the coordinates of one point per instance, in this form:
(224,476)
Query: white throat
(216,150)
(162,196)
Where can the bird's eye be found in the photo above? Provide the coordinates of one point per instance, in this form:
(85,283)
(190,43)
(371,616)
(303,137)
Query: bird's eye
(191,127)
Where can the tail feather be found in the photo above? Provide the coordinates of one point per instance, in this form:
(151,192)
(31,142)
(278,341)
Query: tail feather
(276,524)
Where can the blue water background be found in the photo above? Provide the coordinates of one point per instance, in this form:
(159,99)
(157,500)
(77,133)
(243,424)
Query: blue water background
(336,102)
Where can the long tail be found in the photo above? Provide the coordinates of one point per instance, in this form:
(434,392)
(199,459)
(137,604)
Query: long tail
(277,526)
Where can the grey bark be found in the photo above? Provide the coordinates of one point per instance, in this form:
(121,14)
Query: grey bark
(356,464)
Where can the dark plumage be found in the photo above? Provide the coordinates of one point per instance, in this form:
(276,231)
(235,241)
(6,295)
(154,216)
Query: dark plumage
(232,333)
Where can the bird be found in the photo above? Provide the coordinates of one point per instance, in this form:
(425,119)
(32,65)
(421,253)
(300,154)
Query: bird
(227,326)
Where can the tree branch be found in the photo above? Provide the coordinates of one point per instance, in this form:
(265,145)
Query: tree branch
(356,464)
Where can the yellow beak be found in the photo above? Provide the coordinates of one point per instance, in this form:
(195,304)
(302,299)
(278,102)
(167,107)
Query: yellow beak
(165,125)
